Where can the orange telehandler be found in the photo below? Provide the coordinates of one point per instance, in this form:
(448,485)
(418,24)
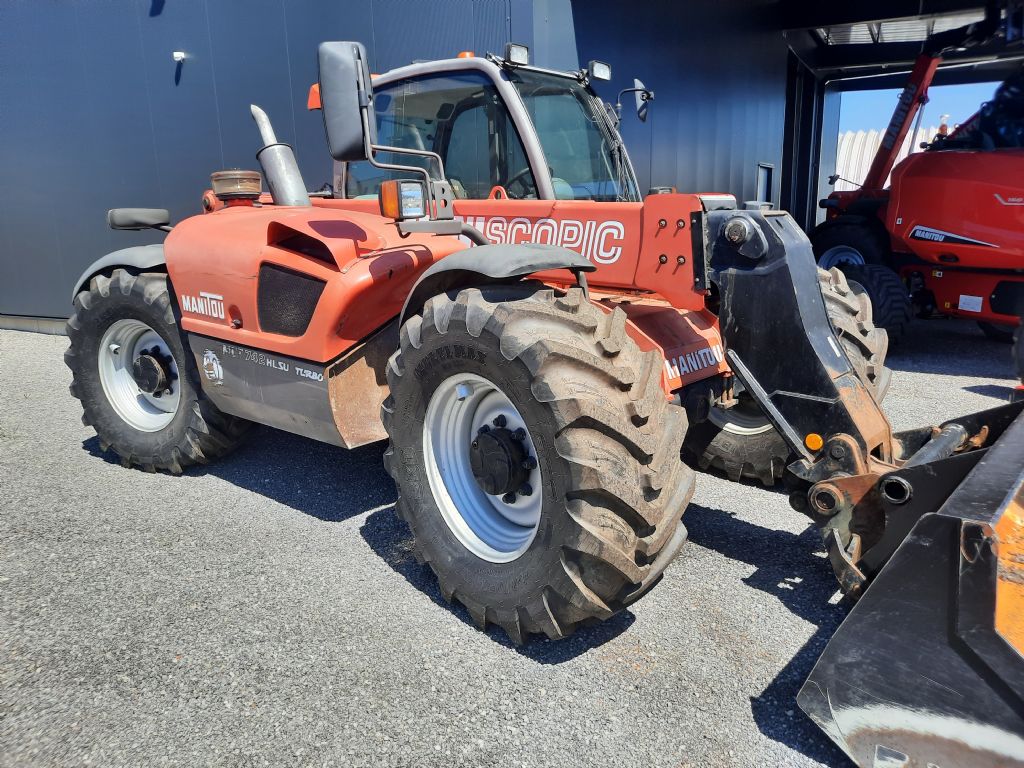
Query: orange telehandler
(536,392)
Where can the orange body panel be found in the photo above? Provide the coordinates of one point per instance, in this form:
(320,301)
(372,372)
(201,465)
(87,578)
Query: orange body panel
(964,293)
(643,253)
(219,255)
(970,194)
(623,240)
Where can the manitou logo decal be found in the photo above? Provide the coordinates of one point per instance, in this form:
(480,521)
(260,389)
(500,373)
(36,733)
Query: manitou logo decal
(691,362)
(938,236)
(598,241)
(1016,200)
(209,304)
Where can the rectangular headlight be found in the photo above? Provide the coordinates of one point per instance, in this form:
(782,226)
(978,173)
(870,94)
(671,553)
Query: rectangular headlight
(413,202)
(401,200)
(599,70)
(517,54)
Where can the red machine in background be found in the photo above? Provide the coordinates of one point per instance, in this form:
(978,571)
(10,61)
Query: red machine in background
(947,235)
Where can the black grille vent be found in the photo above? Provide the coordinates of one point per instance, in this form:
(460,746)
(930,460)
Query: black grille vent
(286,300)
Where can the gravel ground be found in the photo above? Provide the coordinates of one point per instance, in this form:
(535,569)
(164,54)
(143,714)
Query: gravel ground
(266,610)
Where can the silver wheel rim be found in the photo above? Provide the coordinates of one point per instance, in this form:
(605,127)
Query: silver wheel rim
(744,418)
(487,526)
(840,254)
(124,341)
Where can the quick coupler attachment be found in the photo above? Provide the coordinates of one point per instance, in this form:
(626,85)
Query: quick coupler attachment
(928,668)
(867,508)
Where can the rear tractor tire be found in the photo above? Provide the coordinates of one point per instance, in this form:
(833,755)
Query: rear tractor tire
(536,456)
(861,254)
(741,442)
(890,301)
(138,383)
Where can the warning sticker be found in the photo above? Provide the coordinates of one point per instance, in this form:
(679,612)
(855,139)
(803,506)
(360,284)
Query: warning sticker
(970,303)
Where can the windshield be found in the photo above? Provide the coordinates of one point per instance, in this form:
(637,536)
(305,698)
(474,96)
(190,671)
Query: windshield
(586,156)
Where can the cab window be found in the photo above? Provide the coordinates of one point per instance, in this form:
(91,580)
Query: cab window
(461,117)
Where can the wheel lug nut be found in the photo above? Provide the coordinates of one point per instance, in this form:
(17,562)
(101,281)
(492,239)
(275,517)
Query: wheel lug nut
(519,434)
(483,429)
(526,490)
(529,463)
(500,421)
(509,498)
(476,443)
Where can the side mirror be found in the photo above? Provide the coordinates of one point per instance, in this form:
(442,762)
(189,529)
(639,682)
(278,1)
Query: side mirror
(139,218)
(643,97)
(346,96)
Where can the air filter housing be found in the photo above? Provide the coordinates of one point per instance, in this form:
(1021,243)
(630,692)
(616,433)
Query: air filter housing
(236,184)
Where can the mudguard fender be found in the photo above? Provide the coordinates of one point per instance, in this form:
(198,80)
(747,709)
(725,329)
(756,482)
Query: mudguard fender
(140,257)
(486,264)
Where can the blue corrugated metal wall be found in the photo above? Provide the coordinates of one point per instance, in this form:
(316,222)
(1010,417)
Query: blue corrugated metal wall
(94,113)
(719,82)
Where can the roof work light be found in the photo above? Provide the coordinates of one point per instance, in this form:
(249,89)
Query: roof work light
(517,54)
(599,70)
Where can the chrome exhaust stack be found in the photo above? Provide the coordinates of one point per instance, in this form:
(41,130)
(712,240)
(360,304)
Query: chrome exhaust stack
(279,166)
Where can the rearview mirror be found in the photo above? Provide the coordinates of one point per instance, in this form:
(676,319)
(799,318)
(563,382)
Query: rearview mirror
(643,97)
(346,96)
(139,218)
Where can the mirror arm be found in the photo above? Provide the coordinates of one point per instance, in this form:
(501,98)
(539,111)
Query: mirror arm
(618,99)
(424,172)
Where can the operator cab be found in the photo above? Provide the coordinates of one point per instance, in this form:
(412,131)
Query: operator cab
(503,129)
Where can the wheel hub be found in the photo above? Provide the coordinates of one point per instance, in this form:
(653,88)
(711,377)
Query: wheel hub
(152,372)
(499,461)
(482,466)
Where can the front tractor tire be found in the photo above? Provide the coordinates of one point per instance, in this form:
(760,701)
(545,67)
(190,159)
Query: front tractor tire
(138,383)
(536,456)
(741,442)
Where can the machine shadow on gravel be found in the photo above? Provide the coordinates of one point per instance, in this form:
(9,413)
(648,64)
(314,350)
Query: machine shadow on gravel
(391,539)
(955,347)
(268,464)
(270,461)
(791,568)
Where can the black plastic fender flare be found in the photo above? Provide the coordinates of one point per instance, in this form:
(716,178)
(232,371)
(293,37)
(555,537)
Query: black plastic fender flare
(139,257)
(486,264)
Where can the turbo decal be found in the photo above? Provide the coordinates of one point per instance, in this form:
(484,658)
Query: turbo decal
(691,362)
(306,373)
(209,304)
(600,242)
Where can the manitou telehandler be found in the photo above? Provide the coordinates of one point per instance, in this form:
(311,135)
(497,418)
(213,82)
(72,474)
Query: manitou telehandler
(947,235)
(536,393)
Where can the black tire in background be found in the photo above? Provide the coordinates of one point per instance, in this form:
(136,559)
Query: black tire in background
(861,252)
(198,431)
(836,245)
(997,332)
(741,443)
(890,301)
(607,444)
